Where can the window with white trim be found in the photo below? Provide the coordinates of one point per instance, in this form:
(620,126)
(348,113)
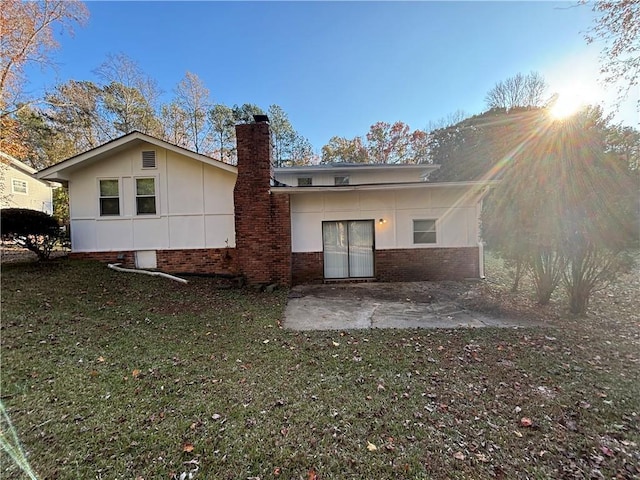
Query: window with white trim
(146,196)
(19,186)
(109,197)
(305,181)
(341,180)
(424,231)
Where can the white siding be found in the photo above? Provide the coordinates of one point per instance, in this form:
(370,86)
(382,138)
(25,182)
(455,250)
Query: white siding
(194,204)
(39,194)
(454,208)
(357,175)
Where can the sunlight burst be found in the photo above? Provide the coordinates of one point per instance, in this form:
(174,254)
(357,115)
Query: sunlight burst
(571,100)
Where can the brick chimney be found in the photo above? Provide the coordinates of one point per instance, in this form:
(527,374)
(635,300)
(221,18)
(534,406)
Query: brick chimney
(262,219)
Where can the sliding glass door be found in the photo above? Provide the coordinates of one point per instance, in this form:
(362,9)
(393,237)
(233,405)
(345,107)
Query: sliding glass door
(348,248)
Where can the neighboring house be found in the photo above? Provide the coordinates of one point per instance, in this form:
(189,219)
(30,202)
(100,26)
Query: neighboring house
(141,201)
(20,189)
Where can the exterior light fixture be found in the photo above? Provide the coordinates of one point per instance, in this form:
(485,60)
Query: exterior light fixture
(381,221)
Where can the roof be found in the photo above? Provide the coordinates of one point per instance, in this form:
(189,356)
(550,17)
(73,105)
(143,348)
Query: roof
(18,164)
(26,169)
(481,186)
(61,171)
(347,167)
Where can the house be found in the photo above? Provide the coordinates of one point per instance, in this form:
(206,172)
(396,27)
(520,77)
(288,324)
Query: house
(20,189)
(144,202)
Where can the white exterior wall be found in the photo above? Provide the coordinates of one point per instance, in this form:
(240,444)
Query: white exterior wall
(194,204)
(455,210)
(356,177)
(39,194)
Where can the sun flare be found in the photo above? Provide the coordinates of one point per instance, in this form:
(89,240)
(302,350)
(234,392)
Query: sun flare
(566,105)
(571,100)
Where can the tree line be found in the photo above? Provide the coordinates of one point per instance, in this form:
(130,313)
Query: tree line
(80,114)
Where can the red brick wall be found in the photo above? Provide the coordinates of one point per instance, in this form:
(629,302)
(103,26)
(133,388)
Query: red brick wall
(262,220)
(399,265)
(307,267)
(211,261)
(218,261)
(106,257)
(406,265)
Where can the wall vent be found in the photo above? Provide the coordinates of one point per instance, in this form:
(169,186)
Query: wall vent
(149,159)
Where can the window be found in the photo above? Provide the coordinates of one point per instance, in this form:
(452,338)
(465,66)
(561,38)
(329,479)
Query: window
(424,231)
(109,197)
(305,182)
(341,180)
(149,159)
(145,196)
(18,186)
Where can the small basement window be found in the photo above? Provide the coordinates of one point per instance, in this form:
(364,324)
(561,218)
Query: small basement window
(305,181)
(341,180)
(145,196)
(424,231)
(18,186)
(149,159)
(109,197)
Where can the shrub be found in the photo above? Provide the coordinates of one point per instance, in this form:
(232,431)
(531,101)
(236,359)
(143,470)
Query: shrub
(31,229)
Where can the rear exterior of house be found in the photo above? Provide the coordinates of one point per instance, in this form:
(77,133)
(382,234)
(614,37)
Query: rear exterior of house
(143,202)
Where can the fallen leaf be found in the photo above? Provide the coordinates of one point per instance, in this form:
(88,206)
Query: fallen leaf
(371,447)
(517,433)
(277,471)
(606,450)
(336,344)
(101,359)
(459,456)
(526,422)
(187,447)
(312,475)
(135,373)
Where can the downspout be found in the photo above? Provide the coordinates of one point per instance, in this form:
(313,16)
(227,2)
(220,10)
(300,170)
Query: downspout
(114,266)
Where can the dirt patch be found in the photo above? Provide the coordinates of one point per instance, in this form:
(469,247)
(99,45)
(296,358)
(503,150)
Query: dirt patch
(13,254)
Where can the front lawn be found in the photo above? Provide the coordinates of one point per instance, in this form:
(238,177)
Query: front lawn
(111,375)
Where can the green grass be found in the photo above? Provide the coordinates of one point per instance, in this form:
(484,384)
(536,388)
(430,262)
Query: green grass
(108,375)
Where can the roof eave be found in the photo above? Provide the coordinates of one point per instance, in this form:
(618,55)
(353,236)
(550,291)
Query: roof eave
(480,185)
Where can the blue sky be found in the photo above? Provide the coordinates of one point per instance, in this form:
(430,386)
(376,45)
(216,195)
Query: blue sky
(338,67)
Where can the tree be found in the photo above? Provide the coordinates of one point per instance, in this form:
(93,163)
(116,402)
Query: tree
(174,124)
(388,143)
(193,98)
(519,91)
(27,36)
(128,96)
(31,229)
(302,152)
(563,204)
(617,25)
(244,113)
(74,110)
(47,145)
(478,147)
(223,131)
(385,143)
(343,150)
(282,134)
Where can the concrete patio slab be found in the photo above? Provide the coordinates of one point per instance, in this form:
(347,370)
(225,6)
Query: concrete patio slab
(373,305)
